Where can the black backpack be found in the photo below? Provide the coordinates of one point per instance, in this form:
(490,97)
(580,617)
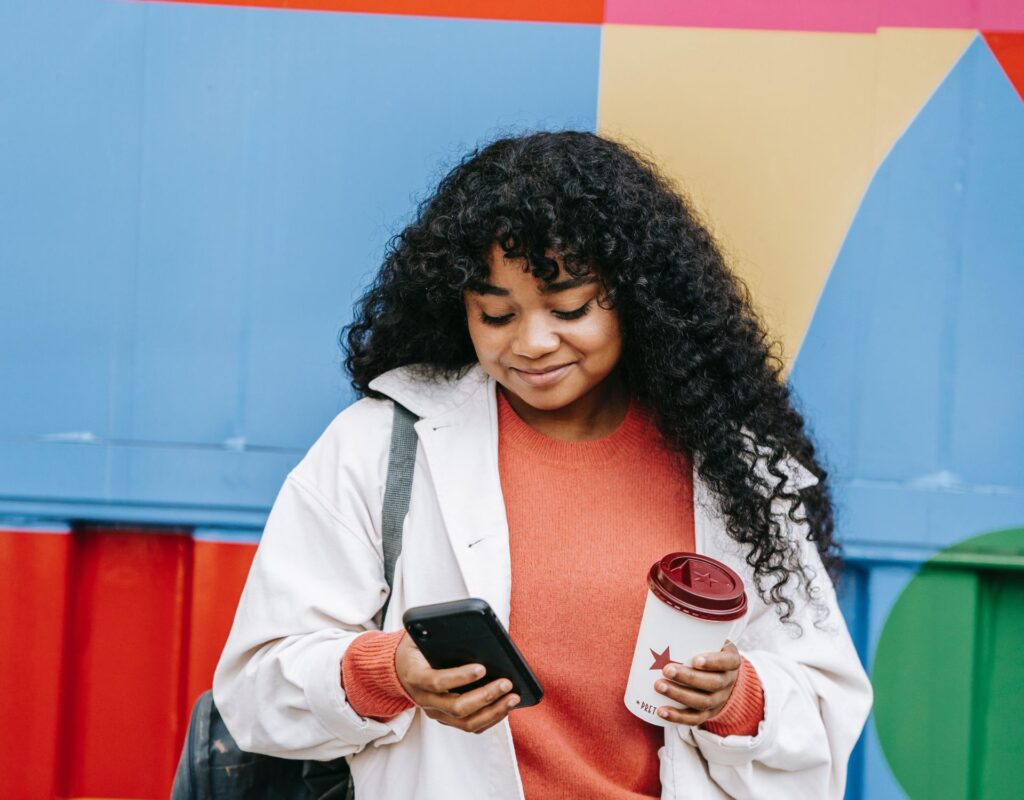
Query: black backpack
(213,767)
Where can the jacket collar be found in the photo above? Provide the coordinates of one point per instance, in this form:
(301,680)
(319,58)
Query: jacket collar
(458,433)
(426,398)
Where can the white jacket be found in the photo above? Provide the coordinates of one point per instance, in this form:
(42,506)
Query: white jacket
(317,582)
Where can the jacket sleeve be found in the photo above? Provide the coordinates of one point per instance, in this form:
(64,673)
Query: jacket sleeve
(817,697)
(316,583)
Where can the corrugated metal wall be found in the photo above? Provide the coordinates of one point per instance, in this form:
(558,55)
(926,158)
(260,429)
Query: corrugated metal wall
(109,635)
(192,195)
(943,638)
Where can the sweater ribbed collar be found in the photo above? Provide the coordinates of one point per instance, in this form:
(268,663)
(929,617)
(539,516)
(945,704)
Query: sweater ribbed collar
(633,438)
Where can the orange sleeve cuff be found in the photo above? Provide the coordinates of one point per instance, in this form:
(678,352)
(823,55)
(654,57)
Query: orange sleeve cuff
(370,679)
(743,711)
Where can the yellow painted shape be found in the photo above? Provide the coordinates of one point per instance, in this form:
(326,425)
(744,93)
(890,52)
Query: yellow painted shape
(774,135)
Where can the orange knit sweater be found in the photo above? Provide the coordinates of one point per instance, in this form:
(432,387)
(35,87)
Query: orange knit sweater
(586,521)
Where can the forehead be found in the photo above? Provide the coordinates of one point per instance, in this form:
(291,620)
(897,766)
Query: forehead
(508,275)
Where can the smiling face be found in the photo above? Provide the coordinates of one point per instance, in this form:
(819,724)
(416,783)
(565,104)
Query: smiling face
(519,325)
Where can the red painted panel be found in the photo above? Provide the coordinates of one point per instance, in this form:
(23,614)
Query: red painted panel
(1008,48)
(34,567)
(579,11)
(218,575)
(107,637)
(126,636)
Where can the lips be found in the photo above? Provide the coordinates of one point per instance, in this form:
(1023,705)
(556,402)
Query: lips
(544,378)
(540,371)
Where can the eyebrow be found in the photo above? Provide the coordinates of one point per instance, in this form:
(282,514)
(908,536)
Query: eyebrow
(483,287)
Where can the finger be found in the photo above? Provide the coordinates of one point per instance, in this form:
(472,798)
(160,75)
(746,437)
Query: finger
(441,681)
(463,706)
(492,724)
(725,659)
(490,716)
(705,680)
(684,716)
(477,723)
(699,701)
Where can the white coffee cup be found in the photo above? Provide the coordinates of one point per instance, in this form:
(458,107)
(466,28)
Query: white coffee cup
(694,603)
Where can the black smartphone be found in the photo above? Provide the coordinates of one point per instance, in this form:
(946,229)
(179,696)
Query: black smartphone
(467,631)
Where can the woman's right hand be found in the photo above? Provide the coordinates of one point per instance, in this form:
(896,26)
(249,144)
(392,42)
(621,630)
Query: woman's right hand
(430,688)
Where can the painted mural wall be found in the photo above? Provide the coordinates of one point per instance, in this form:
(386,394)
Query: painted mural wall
(192,196)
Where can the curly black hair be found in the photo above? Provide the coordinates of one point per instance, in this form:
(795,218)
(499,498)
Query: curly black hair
(693,348)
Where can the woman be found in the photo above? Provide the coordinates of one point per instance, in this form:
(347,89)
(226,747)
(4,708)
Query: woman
(594,391)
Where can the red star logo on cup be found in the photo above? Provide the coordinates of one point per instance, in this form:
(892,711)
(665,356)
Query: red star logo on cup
(705,577)
(662,660)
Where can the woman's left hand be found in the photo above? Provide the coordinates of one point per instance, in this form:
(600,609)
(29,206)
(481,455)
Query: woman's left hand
(703,688)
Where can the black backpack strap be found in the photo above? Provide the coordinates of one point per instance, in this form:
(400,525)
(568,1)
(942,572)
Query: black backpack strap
(401,465)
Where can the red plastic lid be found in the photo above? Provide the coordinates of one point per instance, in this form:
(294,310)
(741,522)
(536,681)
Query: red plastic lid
(699,586)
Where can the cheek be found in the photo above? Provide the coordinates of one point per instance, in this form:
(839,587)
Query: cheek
(601,335)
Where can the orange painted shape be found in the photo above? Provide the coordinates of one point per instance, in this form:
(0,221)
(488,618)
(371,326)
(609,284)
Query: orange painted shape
(34,566)
(124,690)
(578,11)
(218,575)
(1008,48)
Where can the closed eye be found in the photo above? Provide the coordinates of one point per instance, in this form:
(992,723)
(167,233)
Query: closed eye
(574,314)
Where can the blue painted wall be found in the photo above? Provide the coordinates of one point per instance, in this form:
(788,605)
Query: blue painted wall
(193,197)
(912,370)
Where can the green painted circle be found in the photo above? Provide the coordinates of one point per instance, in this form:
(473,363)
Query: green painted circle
(949,674)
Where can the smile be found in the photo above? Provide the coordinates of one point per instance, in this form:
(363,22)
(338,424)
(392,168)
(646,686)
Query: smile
(542,378)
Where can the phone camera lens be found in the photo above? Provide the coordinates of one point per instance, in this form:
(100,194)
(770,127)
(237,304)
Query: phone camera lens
(421,632)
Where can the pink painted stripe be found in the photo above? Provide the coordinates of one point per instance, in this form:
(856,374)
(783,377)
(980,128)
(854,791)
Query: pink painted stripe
(820,15)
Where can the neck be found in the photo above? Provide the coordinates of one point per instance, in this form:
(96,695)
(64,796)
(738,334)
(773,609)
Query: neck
(591,416)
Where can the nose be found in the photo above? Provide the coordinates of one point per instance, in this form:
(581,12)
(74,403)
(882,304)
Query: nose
(534,337)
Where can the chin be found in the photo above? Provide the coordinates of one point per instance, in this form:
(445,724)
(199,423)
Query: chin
(546,400)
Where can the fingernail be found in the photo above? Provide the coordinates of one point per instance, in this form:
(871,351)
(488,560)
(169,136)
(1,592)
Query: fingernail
(661,686)
(504,686)
(699,661)
(663,713)
(478,671)
(670,672)
(513,702)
